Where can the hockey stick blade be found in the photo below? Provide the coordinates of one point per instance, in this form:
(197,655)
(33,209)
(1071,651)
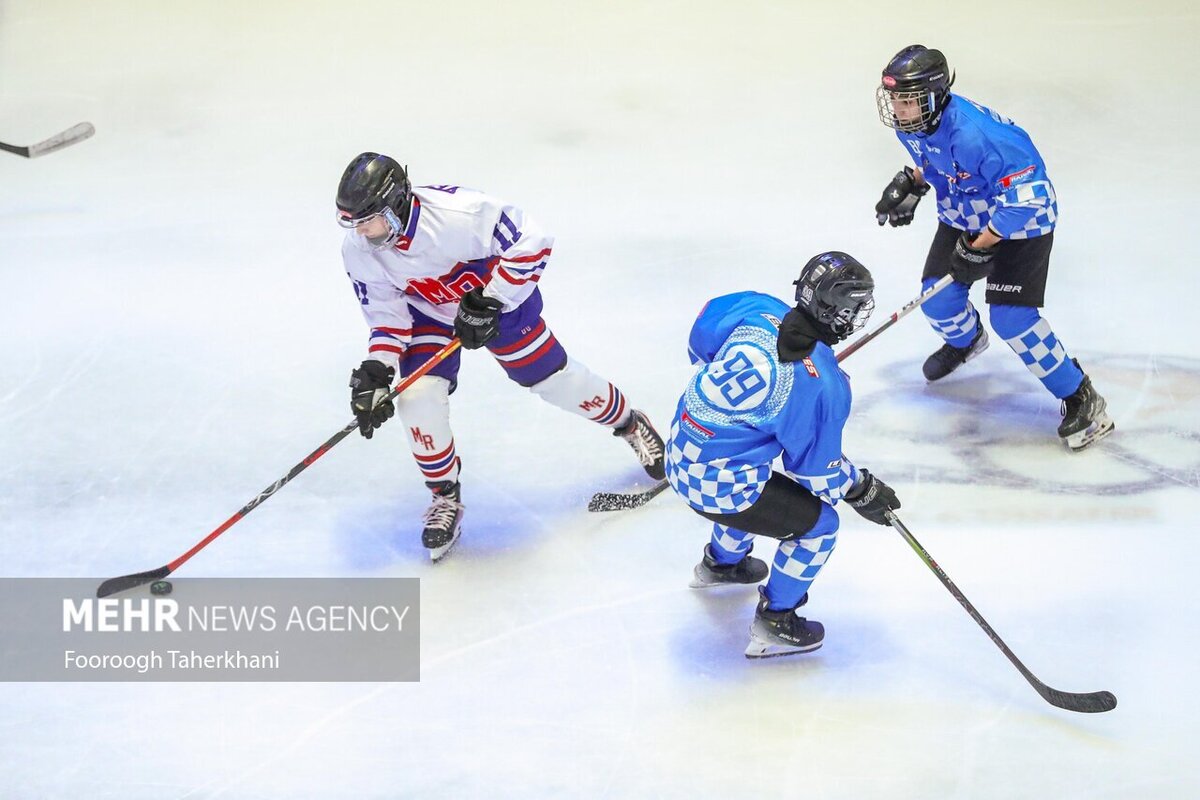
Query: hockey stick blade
(72,135)
(622,501)
(124,582)
(1084,703)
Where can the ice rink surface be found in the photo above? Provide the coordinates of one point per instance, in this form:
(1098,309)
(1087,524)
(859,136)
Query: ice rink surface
(177,331)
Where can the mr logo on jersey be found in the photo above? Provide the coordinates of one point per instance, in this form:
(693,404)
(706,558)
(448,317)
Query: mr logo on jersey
(437,291)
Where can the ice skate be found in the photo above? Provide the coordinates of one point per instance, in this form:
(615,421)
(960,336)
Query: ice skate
(646,443)
(1085,418)
(443,518)
(947,359)
(709,573)
(782,633)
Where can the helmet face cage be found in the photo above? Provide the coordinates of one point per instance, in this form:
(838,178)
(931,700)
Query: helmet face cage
(914,89)
(847,320)
(922,101)
(837,293)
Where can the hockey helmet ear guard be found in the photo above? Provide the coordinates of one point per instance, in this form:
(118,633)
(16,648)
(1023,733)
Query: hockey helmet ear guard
(837,292)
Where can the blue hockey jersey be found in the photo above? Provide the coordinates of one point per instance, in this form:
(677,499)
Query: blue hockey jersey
(744,407)
(984,170)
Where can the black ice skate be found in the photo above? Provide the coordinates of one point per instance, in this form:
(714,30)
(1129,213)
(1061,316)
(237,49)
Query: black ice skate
(709,573)
(443,518)
(1085,419)
(646,443)
(948,358)
(782,633)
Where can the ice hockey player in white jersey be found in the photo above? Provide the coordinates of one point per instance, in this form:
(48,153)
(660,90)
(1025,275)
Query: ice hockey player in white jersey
(429,263)
(768,386)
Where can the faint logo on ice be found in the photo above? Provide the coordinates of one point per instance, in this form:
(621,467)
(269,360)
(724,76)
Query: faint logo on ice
(996,426)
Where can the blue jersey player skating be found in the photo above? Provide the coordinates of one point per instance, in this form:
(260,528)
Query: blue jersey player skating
(768,386)
(996,216)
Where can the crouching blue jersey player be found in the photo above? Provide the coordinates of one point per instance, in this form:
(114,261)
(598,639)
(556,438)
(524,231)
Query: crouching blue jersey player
(769,386)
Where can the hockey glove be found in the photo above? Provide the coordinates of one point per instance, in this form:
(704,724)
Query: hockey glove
(871,498)
(969,263)
(478,320)
(900,199)
(368,385)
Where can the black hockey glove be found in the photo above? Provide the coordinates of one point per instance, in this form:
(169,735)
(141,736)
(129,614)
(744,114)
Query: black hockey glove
(478,320)
(872,497)
(969,263)
(900,199)
(368,385)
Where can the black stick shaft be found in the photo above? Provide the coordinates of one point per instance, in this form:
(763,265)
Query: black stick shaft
(1091,702)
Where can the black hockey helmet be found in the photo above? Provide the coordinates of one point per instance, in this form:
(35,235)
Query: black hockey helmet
(837,292)
(375,185)
(918,81)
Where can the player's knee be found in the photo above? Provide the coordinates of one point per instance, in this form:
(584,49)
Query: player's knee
(948,303)
(826,523)
(426,393)
(1010,321)
(561,374)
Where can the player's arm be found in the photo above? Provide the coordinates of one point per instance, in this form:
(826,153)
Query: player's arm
(1020,189)
(900,197)
(522,250)
(390,322)
(386,312)
(812,450)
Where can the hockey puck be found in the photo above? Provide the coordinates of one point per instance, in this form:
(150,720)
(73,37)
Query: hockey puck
(160,587)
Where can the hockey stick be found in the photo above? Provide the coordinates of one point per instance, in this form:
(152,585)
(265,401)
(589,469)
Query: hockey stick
(1088,702)
(68,137)
(120,584)
(896,316)
(623,501)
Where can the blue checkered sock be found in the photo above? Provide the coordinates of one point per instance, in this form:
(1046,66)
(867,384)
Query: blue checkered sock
(1029,335)
(729,545)
(950,313)
(798,561)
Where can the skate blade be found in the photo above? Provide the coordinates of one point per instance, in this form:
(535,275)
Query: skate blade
(700,580)
(1093,433)
(761,649)
(436,554)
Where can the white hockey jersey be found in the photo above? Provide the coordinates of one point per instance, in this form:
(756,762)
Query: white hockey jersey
(456,239)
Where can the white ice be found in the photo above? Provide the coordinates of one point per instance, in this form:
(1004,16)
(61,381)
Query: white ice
(177,332)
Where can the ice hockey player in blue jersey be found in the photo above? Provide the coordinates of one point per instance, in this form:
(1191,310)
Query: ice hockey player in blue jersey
(769,386)
(996,216)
